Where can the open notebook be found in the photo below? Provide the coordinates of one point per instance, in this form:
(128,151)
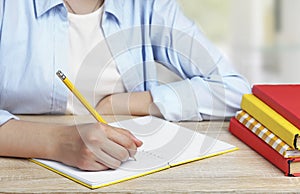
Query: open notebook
(165,145)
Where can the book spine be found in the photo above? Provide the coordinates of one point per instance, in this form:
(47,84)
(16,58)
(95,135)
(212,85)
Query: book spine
(270,119)
(283,111)
(241,132)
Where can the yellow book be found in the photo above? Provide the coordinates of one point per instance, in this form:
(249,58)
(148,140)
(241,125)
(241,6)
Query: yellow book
(271,120)
(165,145)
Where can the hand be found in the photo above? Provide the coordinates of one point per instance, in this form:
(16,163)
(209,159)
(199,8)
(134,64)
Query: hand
(137,103)
(88,146)
(96,147)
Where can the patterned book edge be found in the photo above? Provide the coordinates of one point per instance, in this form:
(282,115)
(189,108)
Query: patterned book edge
(266,135)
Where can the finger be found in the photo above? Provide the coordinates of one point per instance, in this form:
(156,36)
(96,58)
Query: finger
(137,142)
(93,166)
(90,163)
(122,139)
(116,151)
(106,159)
(127,133)
(97,166)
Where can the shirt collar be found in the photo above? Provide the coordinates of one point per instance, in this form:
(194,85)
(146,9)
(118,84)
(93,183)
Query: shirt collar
(115,8)
(110,6)
(42,6)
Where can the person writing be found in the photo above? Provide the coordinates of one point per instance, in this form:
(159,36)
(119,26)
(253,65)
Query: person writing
(108,48)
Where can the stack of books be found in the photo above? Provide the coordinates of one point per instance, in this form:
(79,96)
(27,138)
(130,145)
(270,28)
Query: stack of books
(269,123)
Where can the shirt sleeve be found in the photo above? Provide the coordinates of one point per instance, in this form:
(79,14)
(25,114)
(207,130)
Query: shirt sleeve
(6,116)
(211,88)
(1,16)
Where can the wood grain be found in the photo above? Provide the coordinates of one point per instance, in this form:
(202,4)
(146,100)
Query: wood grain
(239,171)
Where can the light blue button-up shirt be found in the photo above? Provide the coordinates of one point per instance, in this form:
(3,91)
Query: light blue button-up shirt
(34,45)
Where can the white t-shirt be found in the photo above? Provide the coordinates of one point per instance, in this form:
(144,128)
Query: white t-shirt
(85,35)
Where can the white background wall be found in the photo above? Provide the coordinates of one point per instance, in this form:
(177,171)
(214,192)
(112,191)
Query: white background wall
(263,44)
(289,41)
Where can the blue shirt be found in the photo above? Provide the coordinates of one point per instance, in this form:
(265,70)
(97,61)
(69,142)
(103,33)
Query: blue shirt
(34,45)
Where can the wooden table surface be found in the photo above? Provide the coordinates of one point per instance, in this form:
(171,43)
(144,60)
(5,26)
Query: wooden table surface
(238,171)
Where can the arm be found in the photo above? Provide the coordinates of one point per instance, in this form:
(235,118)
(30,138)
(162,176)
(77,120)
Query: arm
(72,145)
(137,103)
(211,88)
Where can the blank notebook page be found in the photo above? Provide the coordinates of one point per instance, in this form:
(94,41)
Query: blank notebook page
(165,144)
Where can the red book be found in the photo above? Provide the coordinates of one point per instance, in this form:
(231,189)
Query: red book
(283,98)
(290,166)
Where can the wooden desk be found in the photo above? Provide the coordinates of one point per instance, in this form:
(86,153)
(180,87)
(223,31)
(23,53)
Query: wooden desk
(239,171)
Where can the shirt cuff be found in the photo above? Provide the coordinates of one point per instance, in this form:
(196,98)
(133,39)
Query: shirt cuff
(176,101)
(6,116)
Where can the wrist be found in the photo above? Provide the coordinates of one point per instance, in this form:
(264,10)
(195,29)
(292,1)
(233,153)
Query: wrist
(61,140)
(52,142)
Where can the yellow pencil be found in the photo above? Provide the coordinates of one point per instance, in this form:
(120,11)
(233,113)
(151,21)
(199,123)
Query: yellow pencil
(80,97)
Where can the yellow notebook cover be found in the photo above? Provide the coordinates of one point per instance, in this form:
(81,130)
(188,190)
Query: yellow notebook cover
(165,145)
(271,119)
